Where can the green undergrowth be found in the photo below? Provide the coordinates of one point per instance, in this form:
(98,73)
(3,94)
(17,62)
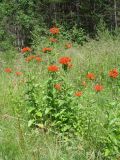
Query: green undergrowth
(98,122)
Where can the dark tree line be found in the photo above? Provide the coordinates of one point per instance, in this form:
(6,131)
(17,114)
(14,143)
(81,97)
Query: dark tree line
(19,17)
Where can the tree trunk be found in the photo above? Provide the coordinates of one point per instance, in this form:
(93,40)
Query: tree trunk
(115,14)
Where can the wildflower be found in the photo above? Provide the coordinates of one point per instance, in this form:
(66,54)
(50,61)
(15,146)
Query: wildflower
(113,73)
(8,70)
(91,76)
(65,60)
(54,30)
(26,49)
(45,50)
(19,73)
(98,88)
(53,68)
(54,40)
(68,45)
(29,58)
(57,87)
(78,93)
(38,59)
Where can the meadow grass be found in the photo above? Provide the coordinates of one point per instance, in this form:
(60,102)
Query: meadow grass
(19,142)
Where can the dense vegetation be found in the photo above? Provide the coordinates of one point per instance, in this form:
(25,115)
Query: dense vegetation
(67,94)
(59,80)
(21,18)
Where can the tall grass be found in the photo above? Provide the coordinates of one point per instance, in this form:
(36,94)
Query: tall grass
(18,142)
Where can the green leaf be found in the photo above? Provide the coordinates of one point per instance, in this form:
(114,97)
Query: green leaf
(39,114)
(60,113)
(31,109)
(107,152)
(31,122)
(65,128)
(47,110)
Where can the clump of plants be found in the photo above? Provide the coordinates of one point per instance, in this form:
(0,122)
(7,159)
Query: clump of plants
(74,106)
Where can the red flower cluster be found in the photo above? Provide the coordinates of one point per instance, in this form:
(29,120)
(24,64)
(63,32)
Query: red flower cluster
(26,49)
(30,58)
(54,40)
(53,68)
(91,76)
(54,30)
(45,50)
(98,88)
(78,94)
(38,59)
(65,60)
(8,70)
(19,73)
(57,87)
(113,73)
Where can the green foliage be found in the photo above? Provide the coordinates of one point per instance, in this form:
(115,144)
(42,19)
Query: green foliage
(36,115)
(78,35)
(31,15)
(102,30)
(75,34)
(56,109)
(39,35)
(90,116)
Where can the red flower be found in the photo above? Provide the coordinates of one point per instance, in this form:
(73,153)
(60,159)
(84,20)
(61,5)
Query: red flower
(57,87)
(65,60)
(113,73)
(19,73)
(91,76)
(26,49)
(53,68)
(38,59)
(54,40)
(45,50)
(68,45)
(78,93)
(98,88)
(8,70)
(29,58)
(54,30)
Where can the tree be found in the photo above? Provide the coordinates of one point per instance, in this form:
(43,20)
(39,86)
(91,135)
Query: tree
(20,17)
